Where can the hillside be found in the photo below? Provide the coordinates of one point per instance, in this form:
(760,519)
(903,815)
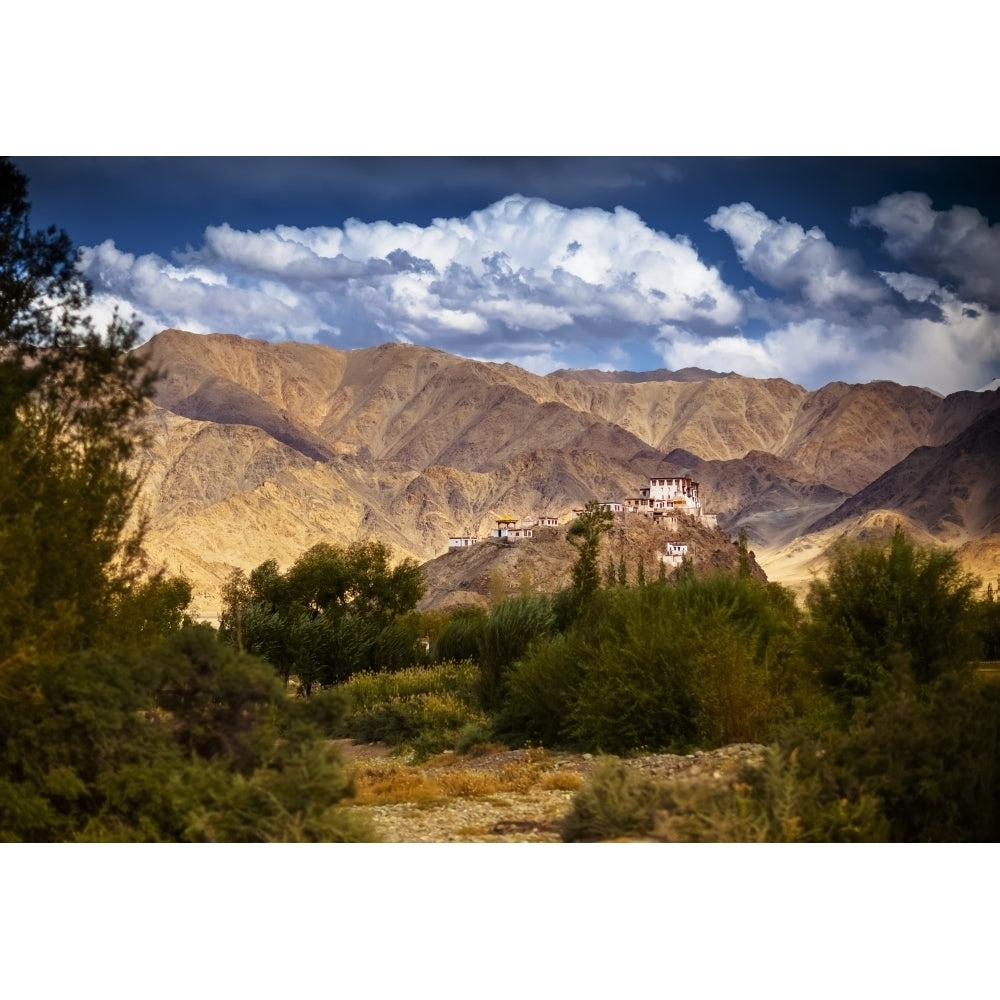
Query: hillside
(543,564)
(258,450)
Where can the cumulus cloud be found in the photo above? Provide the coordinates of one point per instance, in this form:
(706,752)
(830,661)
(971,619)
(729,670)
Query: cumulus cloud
(521,264)
(946,354)
(527,281)
(958,246)
(798,261)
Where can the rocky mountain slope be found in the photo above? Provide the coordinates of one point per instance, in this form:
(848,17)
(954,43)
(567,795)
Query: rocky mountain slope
(498,567)
(258,450)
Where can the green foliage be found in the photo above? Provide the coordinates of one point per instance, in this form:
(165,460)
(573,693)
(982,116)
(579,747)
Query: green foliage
(365,690)
(986,618)
(120,720)
(542,687)
(929,753)
(335,612)
(881,606)
(504,637)
(773,802)
(706,661)
(68,398)
(744,552)
(460,638)
(423,709)
(585,535)
(615,803)
(777,801)
(180,740)
(151,608)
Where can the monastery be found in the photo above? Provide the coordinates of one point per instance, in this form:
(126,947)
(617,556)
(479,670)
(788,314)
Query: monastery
(664,499)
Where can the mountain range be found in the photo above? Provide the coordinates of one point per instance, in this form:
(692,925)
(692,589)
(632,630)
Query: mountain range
(257,450)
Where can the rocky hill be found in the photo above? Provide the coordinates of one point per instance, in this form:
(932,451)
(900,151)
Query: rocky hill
(258,450)
(497,567)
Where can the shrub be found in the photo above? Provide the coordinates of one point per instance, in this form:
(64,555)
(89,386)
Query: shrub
(368,689)
(459,639)
(504,637)
(776,801)
(421,708)
(614,803)
(185,739)
(929,753)
(541,689)
(881,605)
(705,661)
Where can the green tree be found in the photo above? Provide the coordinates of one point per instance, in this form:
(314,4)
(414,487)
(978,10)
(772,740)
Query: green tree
(585,535)
(744,551)
(987,618)
(886,605)
(120,720)
(68,399)
(336,611)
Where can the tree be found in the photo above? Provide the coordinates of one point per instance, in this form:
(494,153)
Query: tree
(744,551)
(68,399)
(335,612)
(120,719)
(585,535)
(888,607)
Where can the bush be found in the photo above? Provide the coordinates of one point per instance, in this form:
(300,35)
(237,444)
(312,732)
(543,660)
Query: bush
(541,689)
(882,605)
(185,739)
(929,753)
(460,637)
(424,709)
(705,661)
(776,801)
(614,803)
(504,637)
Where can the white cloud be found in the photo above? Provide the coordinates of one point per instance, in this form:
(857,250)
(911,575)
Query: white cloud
(793,259)
(546,287)
(521,264)
(958,245)
(947,353)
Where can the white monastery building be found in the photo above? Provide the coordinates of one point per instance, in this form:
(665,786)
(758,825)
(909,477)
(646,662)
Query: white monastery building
(507,527)
(664,499)
(669,495)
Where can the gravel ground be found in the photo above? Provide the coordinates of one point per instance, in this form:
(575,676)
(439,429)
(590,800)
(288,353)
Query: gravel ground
(531,815)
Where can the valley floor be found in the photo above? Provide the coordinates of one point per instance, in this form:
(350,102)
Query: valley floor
(500,796)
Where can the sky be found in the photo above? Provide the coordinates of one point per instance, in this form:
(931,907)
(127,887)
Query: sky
(811,269)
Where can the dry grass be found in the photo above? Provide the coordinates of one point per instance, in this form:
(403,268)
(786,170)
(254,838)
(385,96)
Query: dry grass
(448,776)
(561,781)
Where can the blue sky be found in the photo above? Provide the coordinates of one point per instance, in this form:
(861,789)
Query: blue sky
(811,269)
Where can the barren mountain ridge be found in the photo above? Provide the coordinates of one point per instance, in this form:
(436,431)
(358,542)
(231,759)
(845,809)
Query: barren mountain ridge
(259,450)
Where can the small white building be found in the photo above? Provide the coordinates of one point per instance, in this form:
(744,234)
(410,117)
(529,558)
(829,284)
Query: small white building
(462,541)
(508,527)
(674,553)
